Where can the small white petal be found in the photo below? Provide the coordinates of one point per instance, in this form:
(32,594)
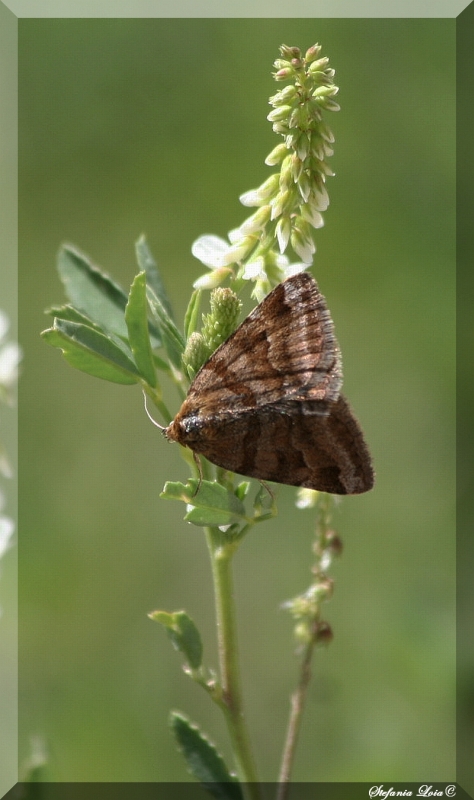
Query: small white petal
(282,261)
(317,149)
(211,279)
(5,469)
(304,187)
(326,560)
(252,198)
(4,324)
(326,132)
(234,235)
(210,250)
(312,215)
(6,531)
(254,269)
(276,155)
(260,290)
(10,355)
(304,246)
(294,269)
(283,230)
(240,250)
(249,226)
(302,147)
(319,199)
(261,195)
(256,222)
(306,498)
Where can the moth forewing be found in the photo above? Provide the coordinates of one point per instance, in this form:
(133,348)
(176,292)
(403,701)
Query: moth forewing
(266,404)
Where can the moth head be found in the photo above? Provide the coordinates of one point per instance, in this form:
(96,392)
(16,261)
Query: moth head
(185,430)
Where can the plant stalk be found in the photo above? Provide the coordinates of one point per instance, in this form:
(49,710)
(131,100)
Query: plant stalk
(221,552)
(294,723)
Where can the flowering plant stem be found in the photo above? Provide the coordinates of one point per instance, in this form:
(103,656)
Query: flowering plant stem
(311,629)
(114,336)
(221,552)
(294,723)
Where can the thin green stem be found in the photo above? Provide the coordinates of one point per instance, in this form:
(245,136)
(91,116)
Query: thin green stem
(294,723)
(221,552)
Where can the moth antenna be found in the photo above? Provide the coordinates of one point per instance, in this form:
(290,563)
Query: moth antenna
(197,461)
(161,427)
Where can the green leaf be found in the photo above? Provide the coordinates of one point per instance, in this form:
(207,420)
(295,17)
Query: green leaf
(203,760)
(212,504)
(174,490)
(264,501)
(192,314)
(92,291)
(242,490)
(183,634)
(172,338)
(137,326)
(71,314)
(147,263)
(90,351)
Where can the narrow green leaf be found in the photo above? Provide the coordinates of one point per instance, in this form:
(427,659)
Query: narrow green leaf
(90,351)
(147,263)
(183,633)
(71,314)
(172,338)
(203,760)
(187,638)
(137,325)
(192,314)
(212,504)
(92,291)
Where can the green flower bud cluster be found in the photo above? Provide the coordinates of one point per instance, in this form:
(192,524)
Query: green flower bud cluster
(217,327)
(222,320)
(306,611)
(307,608)
(195,354)
(289,203)
(297,115)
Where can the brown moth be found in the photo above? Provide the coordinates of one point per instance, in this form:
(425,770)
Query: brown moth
(267,404)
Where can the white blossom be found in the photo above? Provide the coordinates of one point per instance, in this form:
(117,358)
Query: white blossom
(210,250)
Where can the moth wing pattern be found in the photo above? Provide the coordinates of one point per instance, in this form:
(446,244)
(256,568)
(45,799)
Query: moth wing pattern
(323,452)
(267,403)
(286,348)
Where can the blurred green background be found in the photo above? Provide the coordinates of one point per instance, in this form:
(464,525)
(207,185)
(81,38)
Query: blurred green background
(156,126)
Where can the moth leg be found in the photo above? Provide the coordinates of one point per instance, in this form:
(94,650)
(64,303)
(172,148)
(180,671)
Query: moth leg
(197,461)
(266,486)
